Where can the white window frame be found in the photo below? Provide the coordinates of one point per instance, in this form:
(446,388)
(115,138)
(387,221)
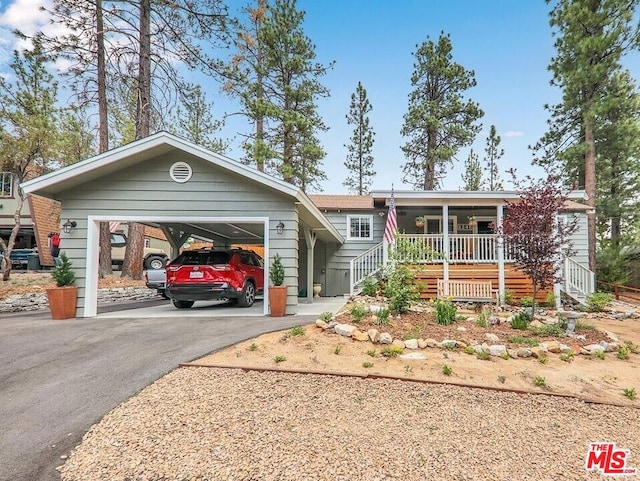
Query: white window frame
(3,180)
(368,218)
(452,218)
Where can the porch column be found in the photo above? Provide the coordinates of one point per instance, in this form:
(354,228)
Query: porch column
(500,246)
(310,238)
(445,241)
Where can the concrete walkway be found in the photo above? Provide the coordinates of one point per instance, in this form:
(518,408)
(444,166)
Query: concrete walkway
(57,378)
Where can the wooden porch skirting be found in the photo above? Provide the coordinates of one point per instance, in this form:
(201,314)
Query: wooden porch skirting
(519,283)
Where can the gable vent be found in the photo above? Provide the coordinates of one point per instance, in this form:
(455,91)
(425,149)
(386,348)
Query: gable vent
(180,172)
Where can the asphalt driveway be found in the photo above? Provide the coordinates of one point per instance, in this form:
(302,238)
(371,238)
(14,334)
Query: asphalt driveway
(57,378)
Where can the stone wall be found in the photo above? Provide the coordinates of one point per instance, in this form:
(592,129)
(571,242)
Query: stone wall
(38,301)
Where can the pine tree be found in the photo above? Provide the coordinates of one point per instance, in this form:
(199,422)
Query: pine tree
(196,123)
(591,38)
(472,176)
(493,154)
(439,121)
(359,159)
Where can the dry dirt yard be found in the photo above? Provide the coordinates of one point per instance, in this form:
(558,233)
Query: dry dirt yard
(585,376)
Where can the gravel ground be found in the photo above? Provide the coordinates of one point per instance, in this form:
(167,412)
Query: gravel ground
(226,424)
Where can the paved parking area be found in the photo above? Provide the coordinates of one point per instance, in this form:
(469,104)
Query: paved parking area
(57,378)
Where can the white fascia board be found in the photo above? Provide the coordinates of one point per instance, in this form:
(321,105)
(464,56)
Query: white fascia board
(441,195)
(305,202)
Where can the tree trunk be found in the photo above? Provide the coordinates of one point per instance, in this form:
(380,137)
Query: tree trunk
(590,187)
(6,271)
(132,265)
(430,167)
(103,135)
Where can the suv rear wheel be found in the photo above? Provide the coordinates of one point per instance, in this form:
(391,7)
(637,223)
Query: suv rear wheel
(183,304)
(155,262)
(248,295)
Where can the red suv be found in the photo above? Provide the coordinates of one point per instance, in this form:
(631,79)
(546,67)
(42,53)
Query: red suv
(204,275)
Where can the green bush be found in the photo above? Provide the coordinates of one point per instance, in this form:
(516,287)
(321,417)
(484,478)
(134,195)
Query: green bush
(551,300)
(369,287)
(597,301)
(358,311)
(521,320)
(483,318)
(508,297)
(383,317)
(526,301)
(553,330)
(445,311)
(63,273)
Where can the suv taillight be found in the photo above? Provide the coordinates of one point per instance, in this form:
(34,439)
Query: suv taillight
(221,267)
(171,268)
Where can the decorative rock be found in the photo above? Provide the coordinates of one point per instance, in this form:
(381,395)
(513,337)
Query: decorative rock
(609,346)
(593,348)
(385,338)
(461,328)
(411,344)
(612,336)
(461,344)
(513,354)
(524,352)
(551,346)
(376,309)
(374,335)
(358,335)
(564,349)
(538,352)
(321,324)
(412,356)
(491,337)
(576,348)
(448,344)
(422,344)
(398,343)
(431,343)
(494,320)
(344,329)
(497,349)
(478,348)
(536,323)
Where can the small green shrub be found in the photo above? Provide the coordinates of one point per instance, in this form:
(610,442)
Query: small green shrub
(253,347)
(634,348)
(551,299)
(597,301)
(483,355)
(367,364)
(296,331)
(482,318)
(505,356)
(623,353)
(543,359)
(369,287)
(326,316)
(630,393)
(337,350)
(371,352)
(414,333)
(567,357)
(600,355)
(469,350)
(445,311)
(502,378)
(526,301)
(383,317)
(584,326)
(63,273)
(446,370)
(279,359)
(399,289)
(539,381)
(521,320)
(358,311)
(391,351)
(527,341)
(553,330)
(507,298)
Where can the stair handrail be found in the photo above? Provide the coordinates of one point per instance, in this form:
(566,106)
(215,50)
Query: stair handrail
(365,265)
(578,278)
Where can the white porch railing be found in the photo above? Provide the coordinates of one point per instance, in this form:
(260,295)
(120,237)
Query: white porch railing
(463,248)
(579,281)
(365,265)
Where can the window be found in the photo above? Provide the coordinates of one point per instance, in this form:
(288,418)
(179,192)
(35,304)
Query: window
(6,184)
(360,227)
(147,242)
(434,224)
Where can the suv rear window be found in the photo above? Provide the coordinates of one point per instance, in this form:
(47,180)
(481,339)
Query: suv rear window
(197,258)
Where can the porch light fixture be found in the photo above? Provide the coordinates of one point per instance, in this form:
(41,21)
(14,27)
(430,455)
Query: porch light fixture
(280,228)
(472,221)
(68,226)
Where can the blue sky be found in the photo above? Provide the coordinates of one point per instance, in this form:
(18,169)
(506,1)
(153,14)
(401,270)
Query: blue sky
(507,43)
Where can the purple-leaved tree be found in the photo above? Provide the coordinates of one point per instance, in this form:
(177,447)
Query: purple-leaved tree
(534,236)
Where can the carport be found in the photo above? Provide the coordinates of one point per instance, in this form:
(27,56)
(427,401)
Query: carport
(186,190)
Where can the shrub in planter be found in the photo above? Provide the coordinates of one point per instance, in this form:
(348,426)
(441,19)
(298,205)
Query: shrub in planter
(63,298)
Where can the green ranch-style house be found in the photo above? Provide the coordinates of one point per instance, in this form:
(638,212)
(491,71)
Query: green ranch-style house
(335,240)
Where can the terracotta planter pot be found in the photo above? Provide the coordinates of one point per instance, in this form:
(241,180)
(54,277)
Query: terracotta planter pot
(278,300)
(62,302)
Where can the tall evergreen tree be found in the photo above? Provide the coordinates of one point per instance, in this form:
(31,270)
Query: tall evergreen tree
(359,161)
(493,154)
(472,175)
(29,122)
(439,121)
(591,38)
(277,80)
(196,122)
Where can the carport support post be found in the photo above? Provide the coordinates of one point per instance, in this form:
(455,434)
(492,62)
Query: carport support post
(311,238)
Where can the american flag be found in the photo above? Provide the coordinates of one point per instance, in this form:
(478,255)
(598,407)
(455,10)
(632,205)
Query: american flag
(392,221)
(113,226)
